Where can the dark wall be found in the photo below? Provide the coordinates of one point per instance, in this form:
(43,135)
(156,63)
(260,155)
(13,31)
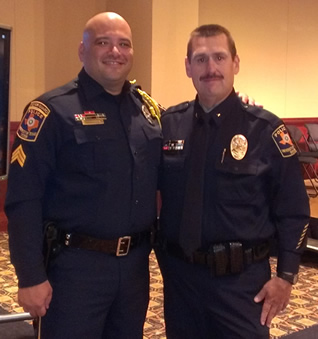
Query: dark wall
(4,98)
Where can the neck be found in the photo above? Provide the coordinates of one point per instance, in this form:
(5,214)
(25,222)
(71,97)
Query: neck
(209,102)
(113,88)
(207,106)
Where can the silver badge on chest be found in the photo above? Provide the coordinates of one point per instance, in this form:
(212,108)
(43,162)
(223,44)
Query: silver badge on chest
(239,146)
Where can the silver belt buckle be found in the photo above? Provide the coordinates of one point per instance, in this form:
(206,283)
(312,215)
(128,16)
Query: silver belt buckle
(123,246)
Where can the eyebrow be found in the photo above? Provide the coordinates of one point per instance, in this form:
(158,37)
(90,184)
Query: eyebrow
(110,38)
(200,55)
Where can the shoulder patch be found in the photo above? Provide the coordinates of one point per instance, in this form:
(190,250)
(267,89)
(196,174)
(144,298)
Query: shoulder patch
(32,121)
(283,141)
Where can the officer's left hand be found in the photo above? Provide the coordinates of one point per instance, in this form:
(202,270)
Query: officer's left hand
(248,100)
(275,293)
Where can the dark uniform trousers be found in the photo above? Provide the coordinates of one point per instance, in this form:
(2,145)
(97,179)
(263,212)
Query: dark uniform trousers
(221,308)
(98,295)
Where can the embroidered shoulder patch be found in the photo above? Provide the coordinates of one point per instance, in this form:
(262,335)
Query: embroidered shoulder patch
(283,141)
(33,120)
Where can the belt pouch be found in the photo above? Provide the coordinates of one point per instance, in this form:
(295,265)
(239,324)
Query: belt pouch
(221,259)
(236,257)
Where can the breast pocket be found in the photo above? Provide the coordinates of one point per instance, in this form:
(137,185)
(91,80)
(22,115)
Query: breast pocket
(173,162)
(237,182)
(96,146)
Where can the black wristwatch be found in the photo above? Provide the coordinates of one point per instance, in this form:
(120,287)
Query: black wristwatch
(290,277)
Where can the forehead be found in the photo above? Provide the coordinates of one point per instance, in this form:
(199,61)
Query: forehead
(110,28)
(217,43)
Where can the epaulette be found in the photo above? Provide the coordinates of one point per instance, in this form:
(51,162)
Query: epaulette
(178,108)
(153,107)
(261,113)
(62,90)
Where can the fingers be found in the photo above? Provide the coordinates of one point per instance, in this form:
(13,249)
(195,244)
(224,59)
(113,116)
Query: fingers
(47,302)
(275,294)
(35,299)
(260,295)
(38,312)
(258,104)
(264,314)
(268,313)
(244,99)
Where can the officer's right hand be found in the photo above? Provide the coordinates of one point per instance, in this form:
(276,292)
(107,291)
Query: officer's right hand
(35,299)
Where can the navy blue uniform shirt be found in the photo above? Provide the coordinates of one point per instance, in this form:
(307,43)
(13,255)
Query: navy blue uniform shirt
(251,199)
(85,159)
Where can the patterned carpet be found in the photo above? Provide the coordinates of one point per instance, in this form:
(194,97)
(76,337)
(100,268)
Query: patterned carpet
(301,313)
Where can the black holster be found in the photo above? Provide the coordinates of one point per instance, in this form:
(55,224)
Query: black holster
(52,241)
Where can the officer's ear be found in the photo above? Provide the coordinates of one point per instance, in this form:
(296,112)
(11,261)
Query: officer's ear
(188,67)
(236,64)
(81,49)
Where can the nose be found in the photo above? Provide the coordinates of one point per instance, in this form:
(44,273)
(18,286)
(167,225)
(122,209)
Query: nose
(211,64)
(114,49)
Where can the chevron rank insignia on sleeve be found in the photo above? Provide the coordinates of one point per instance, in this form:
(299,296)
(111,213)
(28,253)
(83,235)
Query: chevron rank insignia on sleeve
(19,156)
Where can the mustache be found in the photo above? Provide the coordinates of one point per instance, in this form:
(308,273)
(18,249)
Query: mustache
(211,76)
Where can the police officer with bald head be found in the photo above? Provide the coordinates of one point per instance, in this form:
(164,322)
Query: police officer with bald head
(86,159)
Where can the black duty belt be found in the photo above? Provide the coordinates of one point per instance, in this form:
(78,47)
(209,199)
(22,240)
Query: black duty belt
(119,247)
(223,258)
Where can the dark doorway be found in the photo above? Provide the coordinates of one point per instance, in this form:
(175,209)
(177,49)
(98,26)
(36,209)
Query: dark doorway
(4,99)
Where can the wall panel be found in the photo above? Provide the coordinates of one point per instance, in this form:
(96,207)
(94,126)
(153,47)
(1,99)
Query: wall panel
(302,56)
(277,44)
(173,20)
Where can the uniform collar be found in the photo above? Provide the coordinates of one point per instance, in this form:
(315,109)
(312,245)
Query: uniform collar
(219,112)
(92,88)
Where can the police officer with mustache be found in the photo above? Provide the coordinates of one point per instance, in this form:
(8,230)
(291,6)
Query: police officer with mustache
(230,182)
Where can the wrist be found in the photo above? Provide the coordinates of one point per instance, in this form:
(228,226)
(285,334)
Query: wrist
(292,278)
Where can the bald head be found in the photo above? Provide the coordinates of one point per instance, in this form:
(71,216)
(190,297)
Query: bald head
(106,50)
(101,20)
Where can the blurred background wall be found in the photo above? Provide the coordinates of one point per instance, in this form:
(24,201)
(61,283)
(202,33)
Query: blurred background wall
(276,41)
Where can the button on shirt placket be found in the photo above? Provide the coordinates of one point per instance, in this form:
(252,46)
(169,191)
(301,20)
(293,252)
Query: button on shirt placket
(136,176)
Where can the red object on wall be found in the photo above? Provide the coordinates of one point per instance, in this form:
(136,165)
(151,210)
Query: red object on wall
(300,123)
